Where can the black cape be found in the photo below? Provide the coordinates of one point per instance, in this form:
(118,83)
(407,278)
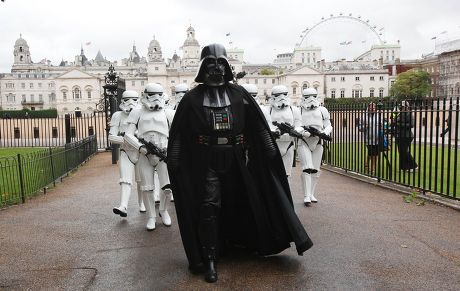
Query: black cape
(257,210)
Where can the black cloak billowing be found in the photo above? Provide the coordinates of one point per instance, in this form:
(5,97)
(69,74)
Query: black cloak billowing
(257,210)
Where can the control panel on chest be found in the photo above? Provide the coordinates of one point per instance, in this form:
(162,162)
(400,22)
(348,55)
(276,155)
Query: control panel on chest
(220,119)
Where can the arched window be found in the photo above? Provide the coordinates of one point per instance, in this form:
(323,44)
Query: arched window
(20,49)
(76,93)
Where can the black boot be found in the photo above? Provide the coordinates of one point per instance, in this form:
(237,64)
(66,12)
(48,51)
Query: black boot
(211,272)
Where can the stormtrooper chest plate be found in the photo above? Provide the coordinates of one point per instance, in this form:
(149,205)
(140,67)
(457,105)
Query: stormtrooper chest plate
(123,123)
(312,118)
(153,123)
(283,115)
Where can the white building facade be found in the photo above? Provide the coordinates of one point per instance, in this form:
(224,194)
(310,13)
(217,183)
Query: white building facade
(78,85)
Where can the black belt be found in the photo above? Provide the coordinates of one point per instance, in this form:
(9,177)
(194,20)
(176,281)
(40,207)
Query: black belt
(220,140)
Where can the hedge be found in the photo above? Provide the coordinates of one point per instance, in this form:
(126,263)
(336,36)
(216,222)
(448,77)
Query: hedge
(26,113)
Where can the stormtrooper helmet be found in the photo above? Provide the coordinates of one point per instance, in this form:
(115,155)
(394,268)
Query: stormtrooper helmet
(279,97)
(181,89)
(252,89)
(129,101)
(309,98)
(153,97)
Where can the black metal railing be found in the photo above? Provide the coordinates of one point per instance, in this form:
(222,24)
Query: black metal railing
(416,146)
(53,132)
(24,175)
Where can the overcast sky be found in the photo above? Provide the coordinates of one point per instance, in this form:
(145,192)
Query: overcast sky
(55,29)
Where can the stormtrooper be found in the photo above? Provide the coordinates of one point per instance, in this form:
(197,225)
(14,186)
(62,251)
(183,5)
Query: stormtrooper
(221,200)
(181,89)
(151,122)
(282,111)
(254,91)
(128,155)
(316,125)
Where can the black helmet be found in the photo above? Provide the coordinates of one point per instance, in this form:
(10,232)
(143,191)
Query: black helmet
(213,53)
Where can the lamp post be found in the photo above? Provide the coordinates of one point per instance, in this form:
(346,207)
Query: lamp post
(111,106)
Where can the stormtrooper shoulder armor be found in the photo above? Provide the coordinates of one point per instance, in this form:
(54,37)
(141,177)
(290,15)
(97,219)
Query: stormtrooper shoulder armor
(134,116)
(116,118)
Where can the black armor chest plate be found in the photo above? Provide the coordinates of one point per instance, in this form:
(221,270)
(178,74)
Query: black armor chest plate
(216,105)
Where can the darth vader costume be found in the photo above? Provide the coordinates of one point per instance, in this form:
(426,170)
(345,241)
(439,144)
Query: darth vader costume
(227,175)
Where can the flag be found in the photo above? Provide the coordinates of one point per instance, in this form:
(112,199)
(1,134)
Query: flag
(349,42)
(227,34)
(434,37)
(88,43)
(343,43)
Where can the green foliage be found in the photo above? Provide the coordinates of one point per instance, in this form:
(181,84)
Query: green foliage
(413,84)
(267,71)
(363,100)
(26,113)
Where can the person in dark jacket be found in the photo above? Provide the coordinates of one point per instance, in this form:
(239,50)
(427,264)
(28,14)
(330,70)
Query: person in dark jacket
(403,124)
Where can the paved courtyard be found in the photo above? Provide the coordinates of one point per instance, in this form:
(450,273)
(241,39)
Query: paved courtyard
(366,238)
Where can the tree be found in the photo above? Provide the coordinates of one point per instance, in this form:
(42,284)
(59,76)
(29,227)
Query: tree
(413,84)
(267,71)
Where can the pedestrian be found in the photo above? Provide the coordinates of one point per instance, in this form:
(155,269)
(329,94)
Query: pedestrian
(370,126)
(403,124)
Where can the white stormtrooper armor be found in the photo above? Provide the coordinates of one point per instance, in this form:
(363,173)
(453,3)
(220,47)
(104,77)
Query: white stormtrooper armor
(311,152)
(281,111)
(181,89)
(152,124)
(254,91)
(128,155)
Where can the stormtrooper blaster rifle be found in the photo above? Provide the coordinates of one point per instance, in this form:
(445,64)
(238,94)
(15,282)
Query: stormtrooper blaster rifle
(315,132)
(154,150)
(285,127)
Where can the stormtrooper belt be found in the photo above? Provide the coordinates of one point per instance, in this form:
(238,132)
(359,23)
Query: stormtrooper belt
(220,140)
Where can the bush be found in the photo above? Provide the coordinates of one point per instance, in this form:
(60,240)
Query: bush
(26,113)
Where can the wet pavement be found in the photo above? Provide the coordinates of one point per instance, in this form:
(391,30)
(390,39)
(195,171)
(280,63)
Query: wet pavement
(366,238)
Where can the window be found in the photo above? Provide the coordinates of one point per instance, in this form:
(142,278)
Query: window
(54,132)
(76,93)
(64,95)
(342,93)
(142,83)
(32,97)
(39,85)
(88,94)
(371,92)
(36,132)
(342,79)
(381,78)
(273,81)
(52,97)
(31,85)
(23,85)
(356,78)
(156,68)
(40,97)
(172,82)
(265,81)
(333,94)
(332,79)
(17,133)
(381,92)
(372,78)
(294,90)
(23,97)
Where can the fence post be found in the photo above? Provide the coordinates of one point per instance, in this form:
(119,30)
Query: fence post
(52,167)
(21,179)
(67,128)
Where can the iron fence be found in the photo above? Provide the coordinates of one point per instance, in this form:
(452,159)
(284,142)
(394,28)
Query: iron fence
(53,132)
(24,175)
(416,146)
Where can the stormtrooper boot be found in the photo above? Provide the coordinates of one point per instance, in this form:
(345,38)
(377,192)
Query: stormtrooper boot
(306,186)
(165,198)
(124,198)
(140,201)
(314,182)
(150,209)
